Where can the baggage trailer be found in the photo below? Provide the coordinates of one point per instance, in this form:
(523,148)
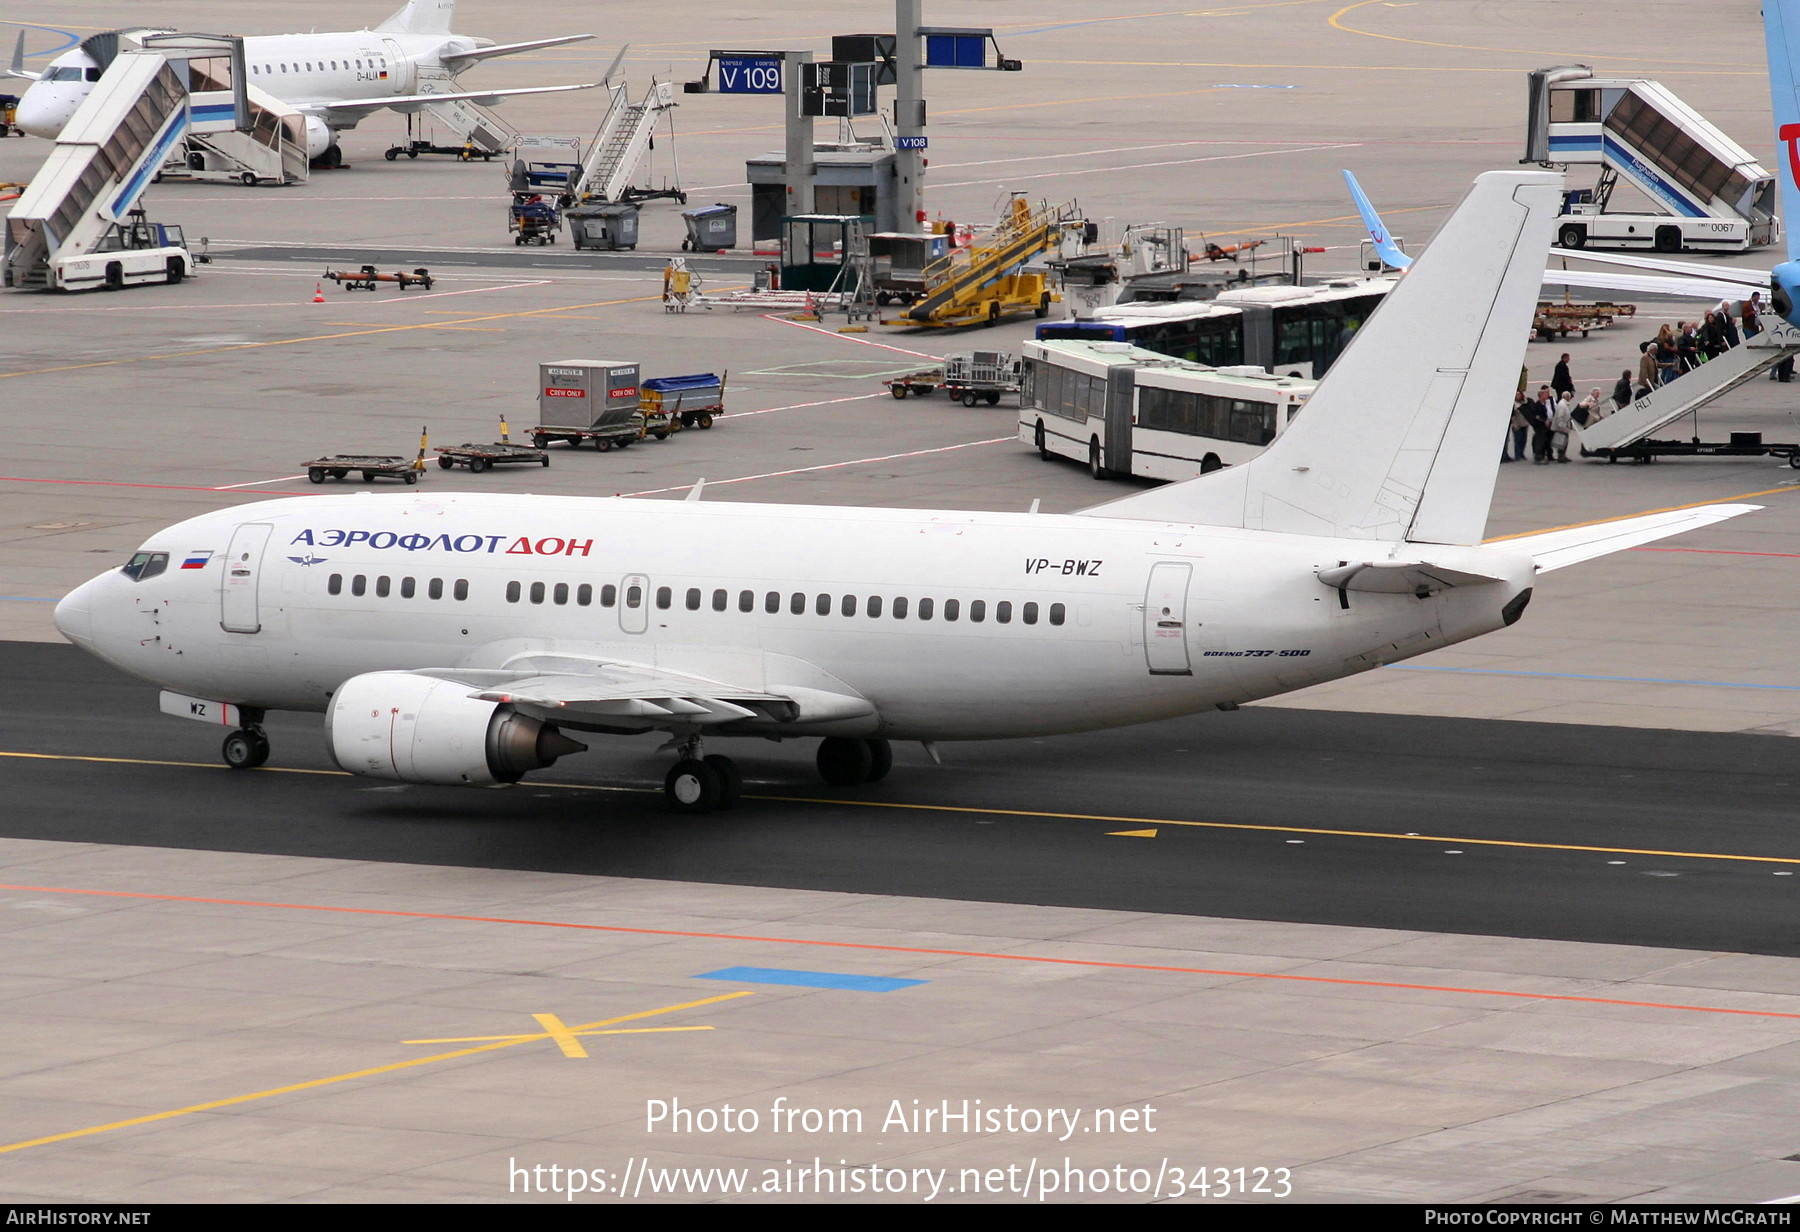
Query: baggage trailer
(980,376)
(594,400)
(683,401)
(481,457)
(919,383)
(368,278)
(339,465)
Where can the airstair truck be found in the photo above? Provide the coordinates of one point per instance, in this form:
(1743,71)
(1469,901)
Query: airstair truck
(76,226)
(1717,197)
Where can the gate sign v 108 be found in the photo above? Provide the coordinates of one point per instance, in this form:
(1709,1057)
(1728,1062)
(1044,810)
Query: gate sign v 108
(746,75)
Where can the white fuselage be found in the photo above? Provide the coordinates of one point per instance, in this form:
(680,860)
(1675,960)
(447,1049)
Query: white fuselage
(1106,622)
(306,71)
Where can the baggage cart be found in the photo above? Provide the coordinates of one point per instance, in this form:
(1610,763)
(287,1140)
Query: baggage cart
(692,401)
(588,400)
(980,376)
(339,466)
(367,278)
(917,383)
(481,457)
(533,220)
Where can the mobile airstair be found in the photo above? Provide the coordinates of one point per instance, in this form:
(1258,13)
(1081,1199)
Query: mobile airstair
(106,156)
(481,132)
(265,146)
(1718,198)
(618,149)
(1625,434)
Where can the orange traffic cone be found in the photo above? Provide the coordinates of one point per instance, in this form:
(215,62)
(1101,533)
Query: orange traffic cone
(318,293)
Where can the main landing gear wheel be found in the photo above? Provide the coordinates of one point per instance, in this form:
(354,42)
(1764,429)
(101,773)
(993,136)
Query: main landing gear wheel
(847,762)
(245,749)
(692,786)
(731,780)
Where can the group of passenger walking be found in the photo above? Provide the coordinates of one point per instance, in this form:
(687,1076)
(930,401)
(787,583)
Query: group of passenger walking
(1549,419)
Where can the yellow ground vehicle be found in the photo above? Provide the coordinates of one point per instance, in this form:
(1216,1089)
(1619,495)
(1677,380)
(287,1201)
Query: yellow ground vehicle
(986,281)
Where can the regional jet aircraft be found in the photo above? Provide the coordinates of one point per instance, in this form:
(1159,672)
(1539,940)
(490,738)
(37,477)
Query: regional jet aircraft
(333,79)
(467,639)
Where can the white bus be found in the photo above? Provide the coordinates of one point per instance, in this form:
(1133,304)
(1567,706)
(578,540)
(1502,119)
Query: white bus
(1289,330)
(1127,411)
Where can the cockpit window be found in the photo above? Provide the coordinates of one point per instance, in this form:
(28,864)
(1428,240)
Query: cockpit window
(146,565)
(65,72)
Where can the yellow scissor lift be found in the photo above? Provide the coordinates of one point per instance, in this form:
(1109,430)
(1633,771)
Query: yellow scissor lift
(981,284)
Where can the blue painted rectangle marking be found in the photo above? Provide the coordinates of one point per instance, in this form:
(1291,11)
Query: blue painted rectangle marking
(808,979)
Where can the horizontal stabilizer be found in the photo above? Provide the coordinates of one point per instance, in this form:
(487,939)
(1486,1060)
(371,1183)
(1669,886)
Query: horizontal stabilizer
(1400,577)
(1695,287)
(457,61)
(1555,548)
(1749,279)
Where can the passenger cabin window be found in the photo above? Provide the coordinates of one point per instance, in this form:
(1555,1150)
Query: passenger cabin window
(925,606)
(634,596)
(537,592)
(560,595)
(381,587)
(977,610)
(875,606)
(900,609)
(336,585)
(664,597)
(1003,612)
(693,599)
(746,600)
(145,565)
(772,602)
(436,589)
(584,595)
(952,609)
(359,585)
(406,588)
(462,588)
(822,605)
(1056,613)
(720,600)
(1030,613)
(797,603)
(849,605)
(512,592)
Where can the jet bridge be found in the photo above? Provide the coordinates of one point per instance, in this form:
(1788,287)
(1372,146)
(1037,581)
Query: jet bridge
(1717,197)
(106,156)
(1626,433)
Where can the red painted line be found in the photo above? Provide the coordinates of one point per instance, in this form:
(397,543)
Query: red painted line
(1719,552)
(161,487)
(911,949)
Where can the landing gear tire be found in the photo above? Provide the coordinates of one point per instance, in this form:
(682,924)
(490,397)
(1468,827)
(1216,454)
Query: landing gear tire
(881,760)
(731,780)
(245,749)
(693,786)
(845,762)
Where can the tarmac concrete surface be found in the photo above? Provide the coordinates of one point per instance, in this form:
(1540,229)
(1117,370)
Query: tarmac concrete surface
(1417,1065)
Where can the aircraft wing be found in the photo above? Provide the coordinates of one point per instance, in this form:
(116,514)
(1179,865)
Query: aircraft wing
(1696,287)
(17,67)
(485,98)
(1755,280)
(461,60)
(609,694)
(1555,548)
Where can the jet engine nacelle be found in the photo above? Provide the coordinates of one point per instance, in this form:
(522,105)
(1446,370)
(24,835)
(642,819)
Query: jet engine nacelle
(418,729)
(318,136)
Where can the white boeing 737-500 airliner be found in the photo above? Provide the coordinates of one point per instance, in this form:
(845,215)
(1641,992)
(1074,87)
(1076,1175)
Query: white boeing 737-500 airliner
(460,639)
(333,79)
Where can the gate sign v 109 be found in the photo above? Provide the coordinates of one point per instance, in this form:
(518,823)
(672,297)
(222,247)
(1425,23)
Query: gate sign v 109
(745,75)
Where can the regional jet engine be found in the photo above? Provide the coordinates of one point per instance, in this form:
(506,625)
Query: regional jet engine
(418,729)
(318,136)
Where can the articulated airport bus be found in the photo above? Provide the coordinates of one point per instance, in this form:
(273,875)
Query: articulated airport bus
(1294,331)
(1125,410)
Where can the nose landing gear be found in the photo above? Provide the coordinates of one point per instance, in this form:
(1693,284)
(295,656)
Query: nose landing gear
(246,748)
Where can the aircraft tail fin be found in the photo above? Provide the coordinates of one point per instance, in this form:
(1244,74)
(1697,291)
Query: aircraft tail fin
(1781,27)
(17,67)
(1401,441)
(1379,236)
(421,17)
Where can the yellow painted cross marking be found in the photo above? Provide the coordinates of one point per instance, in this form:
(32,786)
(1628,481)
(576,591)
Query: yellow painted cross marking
(509,1041)
(566,1037)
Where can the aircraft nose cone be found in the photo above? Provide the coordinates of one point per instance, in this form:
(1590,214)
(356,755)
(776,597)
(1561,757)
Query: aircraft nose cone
(74,616)
(38,115)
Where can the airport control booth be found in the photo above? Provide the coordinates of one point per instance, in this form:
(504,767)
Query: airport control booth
(856,180)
